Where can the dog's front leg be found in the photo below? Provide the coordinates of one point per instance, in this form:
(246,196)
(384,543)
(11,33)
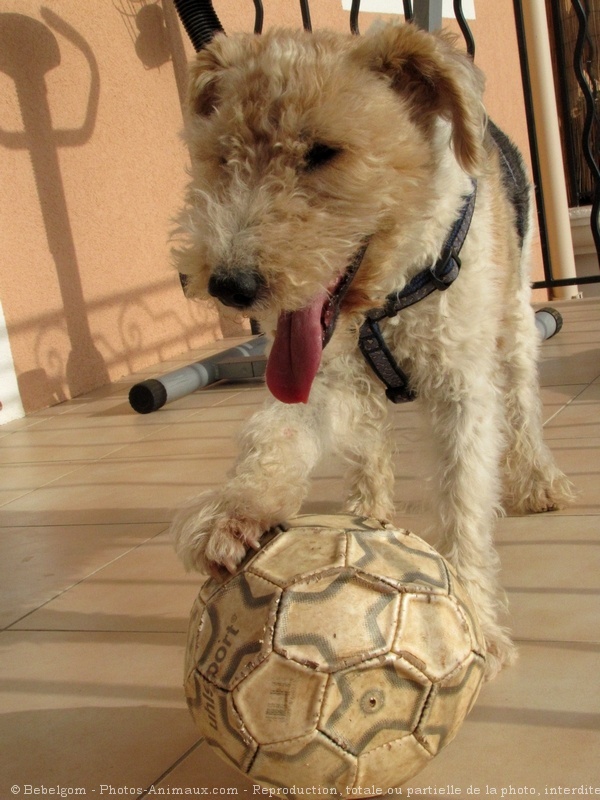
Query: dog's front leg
(464,421)
(278,449)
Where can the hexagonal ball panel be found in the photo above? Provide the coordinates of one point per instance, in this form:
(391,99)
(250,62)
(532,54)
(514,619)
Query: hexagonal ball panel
(451,701)
(400,557)
(298,552)
(335,620)
(392,764)
(304,763)
(374,704)
(218,721)
(235,629)
(433,634)
(280,700)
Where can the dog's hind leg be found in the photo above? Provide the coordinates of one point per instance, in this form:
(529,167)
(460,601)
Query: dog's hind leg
(533,481)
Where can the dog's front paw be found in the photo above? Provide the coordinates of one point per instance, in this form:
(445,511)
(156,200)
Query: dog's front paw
(209,538)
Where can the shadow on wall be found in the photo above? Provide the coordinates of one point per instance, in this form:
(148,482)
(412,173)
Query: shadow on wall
(69,356)
(66,354)
(28,50)
(147,29)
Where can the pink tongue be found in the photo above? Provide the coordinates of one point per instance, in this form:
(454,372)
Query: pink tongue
(296,353)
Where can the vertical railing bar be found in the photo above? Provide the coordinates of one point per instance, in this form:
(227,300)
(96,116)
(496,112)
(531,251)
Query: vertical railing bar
(464,28)
(305,11)
(531,132)
(558,30)
(408,10)
(259,16)
(354,11)
(590,117)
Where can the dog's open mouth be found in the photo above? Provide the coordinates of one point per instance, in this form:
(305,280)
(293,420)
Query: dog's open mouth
(301,336)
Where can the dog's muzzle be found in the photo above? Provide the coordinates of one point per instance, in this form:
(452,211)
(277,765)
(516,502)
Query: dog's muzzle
(236,289)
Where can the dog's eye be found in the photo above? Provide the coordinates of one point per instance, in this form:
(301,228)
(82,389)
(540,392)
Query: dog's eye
(320,154)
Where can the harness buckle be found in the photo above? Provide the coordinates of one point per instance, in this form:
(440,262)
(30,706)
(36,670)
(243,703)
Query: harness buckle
(445,270)
(400,394)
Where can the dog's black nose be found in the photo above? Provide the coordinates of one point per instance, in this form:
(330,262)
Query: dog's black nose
(236,289)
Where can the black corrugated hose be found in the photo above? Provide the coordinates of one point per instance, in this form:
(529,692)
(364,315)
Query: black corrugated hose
(199,19)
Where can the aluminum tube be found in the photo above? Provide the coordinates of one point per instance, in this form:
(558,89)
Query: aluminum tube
(152,394)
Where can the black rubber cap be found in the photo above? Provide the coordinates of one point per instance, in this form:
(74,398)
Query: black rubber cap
(557,318)
(147,396)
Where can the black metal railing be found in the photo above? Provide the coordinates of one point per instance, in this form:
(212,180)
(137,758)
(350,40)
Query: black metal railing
(581,146)
(575,28)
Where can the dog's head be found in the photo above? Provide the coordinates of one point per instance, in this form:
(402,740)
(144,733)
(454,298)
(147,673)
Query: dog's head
(305,147)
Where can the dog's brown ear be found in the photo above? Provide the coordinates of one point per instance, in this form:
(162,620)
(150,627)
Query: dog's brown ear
(435,78)
(203,79)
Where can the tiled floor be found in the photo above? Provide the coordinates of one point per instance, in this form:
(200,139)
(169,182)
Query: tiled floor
(94,604)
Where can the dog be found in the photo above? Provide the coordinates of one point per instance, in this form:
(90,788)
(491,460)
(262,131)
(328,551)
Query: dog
(329,172)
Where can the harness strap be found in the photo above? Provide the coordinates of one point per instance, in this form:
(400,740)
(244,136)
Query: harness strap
(438,276)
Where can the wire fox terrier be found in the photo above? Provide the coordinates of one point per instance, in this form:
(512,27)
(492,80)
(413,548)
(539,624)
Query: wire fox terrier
(334,179)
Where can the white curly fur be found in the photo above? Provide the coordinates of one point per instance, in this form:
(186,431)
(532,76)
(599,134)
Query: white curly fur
(405,110)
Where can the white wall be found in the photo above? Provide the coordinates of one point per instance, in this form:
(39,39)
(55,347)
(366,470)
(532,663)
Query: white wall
(10,399)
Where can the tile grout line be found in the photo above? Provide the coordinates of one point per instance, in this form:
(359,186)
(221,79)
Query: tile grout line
(170,769)
(78,582)
(94,461)
(566,405)
(112,631)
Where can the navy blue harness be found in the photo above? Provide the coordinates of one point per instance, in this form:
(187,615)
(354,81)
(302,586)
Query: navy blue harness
(437,276)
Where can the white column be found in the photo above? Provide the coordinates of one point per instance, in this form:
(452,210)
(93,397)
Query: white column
(556,206)
(10,399)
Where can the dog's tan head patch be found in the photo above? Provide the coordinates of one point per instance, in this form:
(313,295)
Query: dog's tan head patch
(436,78)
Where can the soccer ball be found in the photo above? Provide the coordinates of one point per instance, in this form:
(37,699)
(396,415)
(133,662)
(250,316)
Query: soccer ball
(344,654)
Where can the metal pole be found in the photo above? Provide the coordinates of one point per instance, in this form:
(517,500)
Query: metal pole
(428,14)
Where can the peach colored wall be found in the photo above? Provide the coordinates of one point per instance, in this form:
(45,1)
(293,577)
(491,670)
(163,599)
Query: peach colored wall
(92,170)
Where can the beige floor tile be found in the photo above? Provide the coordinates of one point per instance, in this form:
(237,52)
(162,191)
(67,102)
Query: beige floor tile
(39,563)
(21,424)
(146,589)
(555,399)
(211,431)
(56,442)
(91,709)
(563,364)
(203,768)
(105,414)
(551,573)
(546,529)
(536,726)
(580,419)
(200,438)
(580,461)
(118,491)
(17,480)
